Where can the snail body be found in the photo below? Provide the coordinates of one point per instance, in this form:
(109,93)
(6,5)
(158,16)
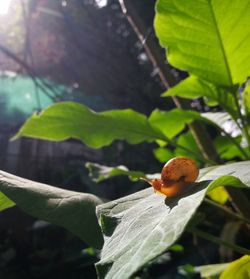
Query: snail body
(176,175)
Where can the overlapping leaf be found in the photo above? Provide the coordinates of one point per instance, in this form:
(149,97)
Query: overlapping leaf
(71,210)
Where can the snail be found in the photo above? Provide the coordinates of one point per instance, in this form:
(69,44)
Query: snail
(176,174)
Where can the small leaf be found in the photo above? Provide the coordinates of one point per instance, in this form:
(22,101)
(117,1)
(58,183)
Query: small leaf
(72,210)
(139,227)
(176,248)
(239,269)
(99,173)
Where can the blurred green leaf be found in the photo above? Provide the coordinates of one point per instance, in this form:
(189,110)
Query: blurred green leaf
(186,269)
(139,227)
(176,248)
(227,150)
(66,120)
(99,172)
(239,269)
(186,140)
(72,210)
(209,39)
(163,154)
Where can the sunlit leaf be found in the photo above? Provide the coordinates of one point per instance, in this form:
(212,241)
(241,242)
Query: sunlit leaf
(228,150)
(163,154)
(139,227)
(210,39)
(66,120)
(186,140)
(72,210)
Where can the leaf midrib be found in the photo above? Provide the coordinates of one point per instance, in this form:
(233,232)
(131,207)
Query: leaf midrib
(220,41)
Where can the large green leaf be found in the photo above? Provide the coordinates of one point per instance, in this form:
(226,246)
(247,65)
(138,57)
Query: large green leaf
(208,38)
(72,120)
(139,227)
(71,210)
(194,87)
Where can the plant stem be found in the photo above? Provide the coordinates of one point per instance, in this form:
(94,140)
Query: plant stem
(227,210)
(243,121)
(217,240)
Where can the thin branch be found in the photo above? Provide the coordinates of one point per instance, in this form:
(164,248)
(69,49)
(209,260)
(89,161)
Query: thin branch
(219,241)
(227,210)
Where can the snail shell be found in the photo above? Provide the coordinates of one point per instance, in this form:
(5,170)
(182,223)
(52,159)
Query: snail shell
(176,174)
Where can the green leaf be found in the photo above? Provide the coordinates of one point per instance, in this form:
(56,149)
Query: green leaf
(172,122)
(211,270)
(163,154)
(210,39)
(186,140)
(139,227)
(99,172)
(239,269)
(72,210)
(66,120)
(5,202)
(227,150)
(194,87)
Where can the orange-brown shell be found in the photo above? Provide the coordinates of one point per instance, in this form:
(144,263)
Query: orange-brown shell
(176,174)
